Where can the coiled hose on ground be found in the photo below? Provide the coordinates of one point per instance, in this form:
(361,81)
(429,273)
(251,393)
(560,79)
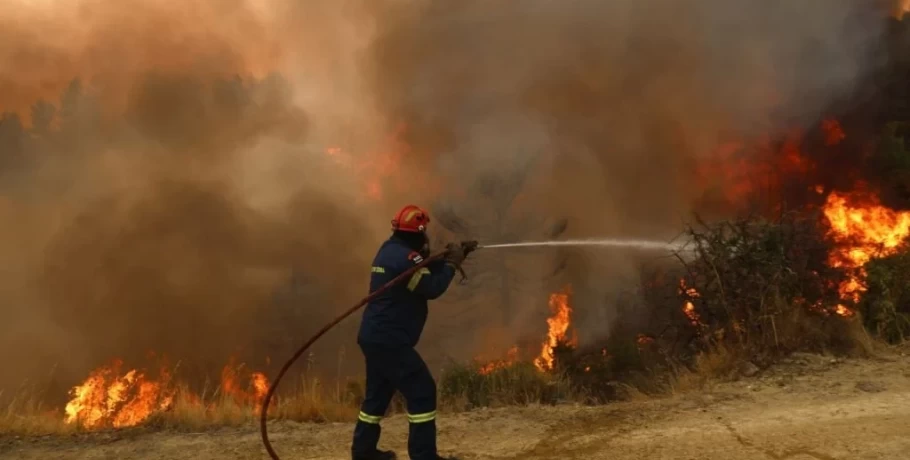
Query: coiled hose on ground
(263,412)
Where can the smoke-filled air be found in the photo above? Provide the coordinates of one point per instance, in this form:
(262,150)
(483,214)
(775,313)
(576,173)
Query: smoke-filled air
(190,184)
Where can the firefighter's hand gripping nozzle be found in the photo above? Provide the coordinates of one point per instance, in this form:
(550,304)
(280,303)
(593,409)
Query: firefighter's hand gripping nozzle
(456,253)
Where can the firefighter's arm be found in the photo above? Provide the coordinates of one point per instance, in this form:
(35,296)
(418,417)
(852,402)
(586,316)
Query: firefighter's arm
(432,281)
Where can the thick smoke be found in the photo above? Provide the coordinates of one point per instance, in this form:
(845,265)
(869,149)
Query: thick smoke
(165,184)
(617,101)
(179,198)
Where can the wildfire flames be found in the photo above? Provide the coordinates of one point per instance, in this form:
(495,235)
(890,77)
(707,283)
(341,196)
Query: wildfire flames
(689,307)
(110,397)
(511,358)
(231,386)
(558,324)
(834,133)
(379,171)
(859,225)
(862,229)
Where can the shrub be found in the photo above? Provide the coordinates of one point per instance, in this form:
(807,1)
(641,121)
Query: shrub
(464,386)
(763,287)
(885,306)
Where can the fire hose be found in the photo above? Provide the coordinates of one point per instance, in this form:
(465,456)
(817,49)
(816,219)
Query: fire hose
(466,246)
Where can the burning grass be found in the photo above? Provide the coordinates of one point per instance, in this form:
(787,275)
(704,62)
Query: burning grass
(114,397)
(25,415)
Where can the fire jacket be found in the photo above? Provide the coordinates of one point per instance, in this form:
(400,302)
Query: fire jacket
(397,316)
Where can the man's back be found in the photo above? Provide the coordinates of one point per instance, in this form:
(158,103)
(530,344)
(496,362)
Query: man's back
(397,316)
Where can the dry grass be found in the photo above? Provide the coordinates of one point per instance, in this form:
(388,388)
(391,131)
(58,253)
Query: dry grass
(304,405)
(312,401)
(304,400)
(464,387)
(24,413)
(461,387)
(715,364)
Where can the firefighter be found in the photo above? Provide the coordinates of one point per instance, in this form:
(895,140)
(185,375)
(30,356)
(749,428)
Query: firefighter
(389,331)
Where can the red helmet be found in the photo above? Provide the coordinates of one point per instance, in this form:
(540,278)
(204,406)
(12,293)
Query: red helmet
(411,218)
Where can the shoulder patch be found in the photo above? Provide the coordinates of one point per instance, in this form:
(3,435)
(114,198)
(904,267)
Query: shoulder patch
(415,257)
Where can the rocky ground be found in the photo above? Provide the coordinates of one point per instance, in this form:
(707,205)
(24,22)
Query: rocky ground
(810,407)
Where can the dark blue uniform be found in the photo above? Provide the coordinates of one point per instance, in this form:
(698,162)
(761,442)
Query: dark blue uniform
(391,327)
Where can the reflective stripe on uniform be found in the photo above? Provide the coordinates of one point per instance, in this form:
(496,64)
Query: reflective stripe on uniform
(422,418)
(415,280)
(378,270)
(367,418)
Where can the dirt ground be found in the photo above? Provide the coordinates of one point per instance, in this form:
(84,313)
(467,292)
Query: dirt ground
(811,407)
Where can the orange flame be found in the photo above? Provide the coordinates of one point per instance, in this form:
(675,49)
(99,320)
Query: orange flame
(231,387)
(558,324)
(863,229)
(735,169)
(260,385)
(511,359)
(834,133)
(689,307)
(376,168)
(109,397)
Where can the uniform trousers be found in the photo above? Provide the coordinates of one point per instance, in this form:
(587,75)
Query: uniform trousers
(391,368)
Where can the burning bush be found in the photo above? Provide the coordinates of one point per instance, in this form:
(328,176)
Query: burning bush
(749,289)
(750,280)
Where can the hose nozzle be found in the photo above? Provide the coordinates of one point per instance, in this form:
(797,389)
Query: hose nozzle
(467,247)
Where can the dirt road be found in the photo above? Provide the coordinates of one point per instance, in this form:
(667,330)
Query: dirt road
(812,408)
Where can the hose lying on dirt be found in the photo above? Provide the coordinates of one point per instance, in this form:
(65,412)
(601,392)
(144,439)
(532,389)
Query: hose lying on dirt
(263,413)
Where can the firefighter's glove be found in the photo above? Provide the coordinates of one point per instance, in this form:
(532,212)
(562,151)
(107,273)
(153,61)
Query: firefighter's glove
(455,254)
